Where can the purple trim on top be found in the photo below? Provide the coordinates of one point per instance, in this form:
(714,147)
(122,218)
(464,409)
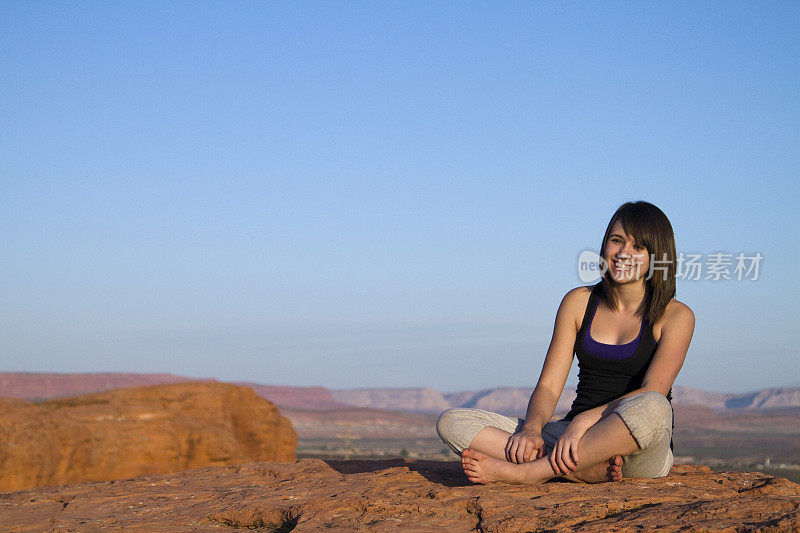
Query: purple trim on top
(608,351)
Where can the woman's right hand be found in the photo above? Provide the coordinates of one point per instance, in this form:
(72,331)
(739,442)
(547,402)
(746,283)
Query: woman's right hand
(524,446)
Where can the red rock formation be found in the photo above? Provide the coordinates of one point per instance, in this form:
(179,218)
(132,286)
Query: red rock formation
(127,432)
(312,495)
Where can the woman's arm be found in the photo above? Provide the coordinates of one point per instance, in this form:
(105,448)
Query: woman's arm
(676,334)
(527,444)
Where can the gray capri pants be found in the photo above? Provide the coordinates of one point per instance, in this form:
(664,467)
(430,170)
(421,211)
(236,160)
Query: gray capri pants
(647,414)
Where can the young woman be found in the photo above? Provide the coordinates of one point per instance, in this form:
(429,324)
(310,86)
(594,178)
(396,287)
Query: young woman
(630,336)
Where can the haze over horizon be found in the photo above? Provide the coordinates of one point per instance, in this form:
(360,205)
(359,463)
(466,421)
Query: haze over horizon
(384,195)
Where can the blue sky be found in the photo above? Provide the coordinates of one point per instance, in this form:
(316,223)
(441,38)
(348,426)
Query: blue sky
(373,194)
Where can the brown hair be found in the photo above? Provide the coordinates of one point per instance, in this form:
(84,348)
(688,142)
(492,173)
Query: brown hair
(650,227)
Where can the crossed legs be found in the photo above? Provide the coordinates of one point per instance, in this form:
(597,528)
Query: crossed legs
(634,440)
(599,450)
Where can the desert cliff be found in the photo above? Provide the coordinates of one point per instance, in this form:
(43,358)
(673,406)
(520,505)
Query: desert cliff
(141,430)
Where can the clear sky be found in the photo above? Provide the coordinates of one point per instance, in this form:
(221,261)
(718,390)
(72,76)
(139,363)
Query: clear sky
(376,194)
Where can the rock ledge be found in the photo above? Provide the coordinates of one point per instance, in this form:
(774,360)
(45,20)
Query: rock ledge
(316,495)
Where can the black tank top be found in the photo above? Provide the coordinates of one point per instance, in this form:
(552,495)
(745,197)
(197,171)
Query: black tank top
(601,380)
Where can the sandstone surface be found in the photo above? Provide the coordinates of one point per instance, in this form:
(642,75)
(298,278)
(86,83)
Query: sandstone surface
(316,495)
(141,430)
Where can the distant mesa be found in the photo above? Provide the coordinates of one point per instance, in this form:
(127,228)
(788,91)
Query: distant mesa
(766,399)
(141,430)
(414,400)
(511,401)
(311,398)
(36,386)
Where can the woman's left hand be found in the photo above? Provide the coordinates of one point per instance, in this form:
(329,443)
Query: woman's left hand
(564,457)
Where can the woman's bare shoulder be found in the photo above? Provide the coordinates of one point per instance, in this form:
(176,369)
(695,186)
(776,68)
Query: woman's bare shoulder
(577,296)
(678,312)
(574,303)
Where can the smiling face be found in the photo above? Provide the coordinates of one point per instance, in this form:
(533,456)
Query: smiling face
(628,261)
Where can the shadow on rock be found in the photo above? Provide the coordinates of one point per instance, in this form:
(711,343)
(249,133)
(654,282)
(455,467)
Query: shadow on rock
(447,473)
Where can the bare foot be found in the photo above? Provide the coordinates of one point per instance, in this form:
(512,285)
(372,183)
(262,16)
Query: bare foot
(614,470)
(611,470)
(480,468)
